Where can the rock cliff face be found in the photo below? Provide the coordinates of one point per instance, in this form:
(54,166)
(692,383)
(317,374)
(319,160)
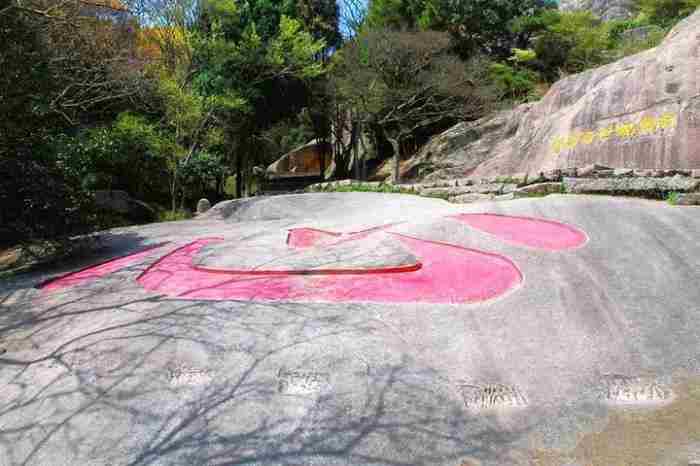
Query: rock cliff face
(606,9)
(641,112)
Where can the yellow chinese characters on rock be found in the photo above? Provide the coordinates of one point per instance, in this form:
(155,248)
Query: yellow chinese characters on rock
(622,131)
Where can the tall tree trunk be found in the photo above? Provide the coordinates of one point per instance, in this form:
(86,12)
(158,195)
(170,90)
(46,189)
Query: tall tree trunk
(173,192)
(322,159)
(365,152)
(355,153)
(338,126)
(219,184)
(239,172)
(397,159)
(248,180)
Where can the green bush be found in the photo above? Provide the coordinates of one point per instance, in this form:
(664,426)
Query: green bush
(170,216)
(124,156)
(200,176)
(653,36)
(585,36)
(666,13)
(620,26)
(39,202)
(515,83)
(673,197)
(572,42)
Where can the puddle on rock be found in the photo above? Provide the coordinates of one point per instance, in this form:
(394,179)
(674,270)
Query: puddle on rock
(639,435)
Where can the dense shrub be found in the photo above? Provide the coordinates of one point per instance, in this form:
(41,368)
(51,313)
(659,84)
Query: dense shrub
(515,83)
(572,42)
(123,156)
(476,26)
(666,13)
(40,202)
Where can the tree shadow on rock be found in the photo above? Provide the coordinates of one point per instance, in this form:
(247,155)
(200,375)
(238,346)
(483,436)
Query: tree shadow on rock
(117,376)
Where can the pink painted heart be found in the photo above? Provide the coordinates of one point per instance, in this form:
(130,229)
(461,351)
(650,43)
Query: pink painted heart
(100,270)
(446,274)
(373,265)
(527,231)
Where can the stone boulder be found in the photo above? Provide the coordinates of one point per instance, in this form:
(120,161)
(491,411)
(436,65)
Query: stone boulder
(539,189)
(461,149)
(688,199)
(642,112)
(606,9)
(302,161)
(121,203)
(203,206)
(633,186)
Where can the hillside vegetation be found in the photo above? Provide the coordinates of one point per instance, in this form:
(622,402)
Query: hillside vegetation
(173,101)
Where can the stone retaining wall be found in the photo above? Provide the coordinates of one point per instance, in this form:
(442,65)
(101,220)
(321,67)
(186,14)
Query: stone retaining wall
(682,187)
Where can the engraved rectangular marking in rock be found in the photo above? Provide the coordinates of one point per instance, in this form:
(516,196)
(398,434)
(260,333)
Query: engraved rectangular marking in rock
(620,389)
(183,375)
(302,382)
(492,396)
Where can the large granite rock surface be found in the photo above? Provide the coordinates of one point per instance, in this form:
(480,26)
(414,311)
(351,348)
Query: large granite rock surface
(642,112)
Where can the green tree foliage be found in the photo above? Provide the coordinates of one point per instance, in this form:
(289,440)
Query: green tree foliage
(476,25)
(402,83)
(515,81)
(63,66)
(585,39)
(486,26)
(322,19)
(666,13)
(270,77)
(123,156)
(39,202)
(287,135)
(168,108)
(571,42)
(396,14)
(318,17)
(92,102)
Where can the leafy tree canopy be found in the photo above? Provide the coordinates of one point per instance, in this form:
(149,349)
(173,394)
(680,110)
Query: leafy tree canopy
(476,25)
(666,13)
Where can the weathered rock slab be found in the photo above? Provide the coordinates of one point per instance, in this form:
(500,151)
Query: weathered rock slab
(481,188)
(539,189)
(471,198)
(184,381)
(639,113)
(375,251)
(630,185)
(688,199)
